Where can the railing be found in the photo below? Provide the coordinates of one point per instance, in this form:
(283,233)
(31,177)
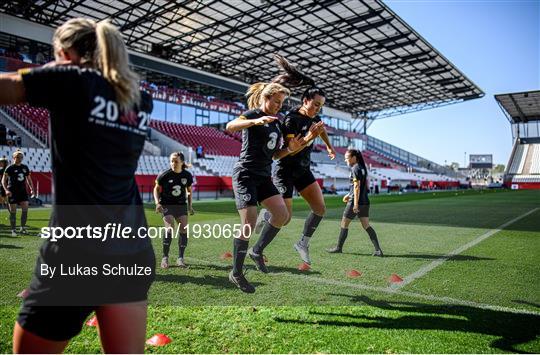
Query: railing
(28,124)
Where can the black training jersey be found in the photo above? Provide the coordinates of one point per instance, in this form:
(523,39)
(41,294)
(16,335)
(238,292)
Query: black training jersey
(17,176)
(95,148)
(259,143)
(174,186)
(359,174)
(295,124)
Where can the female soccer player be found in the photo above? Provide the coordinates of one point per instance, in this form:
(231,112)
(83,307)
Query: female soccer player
(357,202)
(252,181)
(98,125)
(172,187)
(14,181)
(294,169)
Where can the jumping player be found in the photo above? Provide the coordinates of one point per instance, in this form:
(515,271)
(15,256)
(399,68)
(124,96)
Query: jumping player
(172,187)
(357,202)
(294,169)
(252,181)
(14,181)
(98,126)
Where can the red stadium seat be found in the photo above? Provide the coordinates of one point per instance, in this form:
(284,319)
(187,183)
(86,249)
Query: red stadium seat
(213,141)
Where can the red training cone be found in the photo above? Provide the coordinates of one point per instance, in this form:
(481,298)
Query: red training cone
(304,267)
(159,340)
(23,294)
(354,273)
(395,278)
(226,256)
(92,322)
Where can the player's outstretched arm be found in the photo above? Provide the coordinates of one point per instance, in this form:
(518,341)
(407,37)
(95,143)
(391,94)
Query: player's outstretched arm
(11,89)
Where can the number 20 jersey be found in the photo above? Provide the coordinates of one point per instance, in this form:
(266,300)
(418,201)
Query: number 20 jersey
(259,143)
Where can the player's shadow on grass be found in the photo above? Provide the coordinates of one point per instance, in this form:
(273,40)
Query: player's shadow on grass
(510,328)
(8,246)
(482,216)
(218,282)
(4,234)
(272,268)
(527,303)
(427,256)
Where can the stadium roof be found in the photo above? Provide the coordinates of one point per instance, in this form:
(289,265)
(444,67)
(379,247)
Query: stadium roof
(368,59)
(520,107)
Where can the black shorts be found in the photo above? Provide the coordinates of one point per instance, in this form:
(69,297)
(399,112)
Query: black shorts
(56,307)
(363,211)
(287,178)
(18,196)
(251,189)
(175,210)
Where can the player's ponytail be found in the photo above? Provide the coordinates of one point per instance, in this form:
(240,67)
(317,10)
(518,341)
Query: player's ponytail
(100,46)
(112,61)
(359,158)
(254,95)
(258,91)
(295,78)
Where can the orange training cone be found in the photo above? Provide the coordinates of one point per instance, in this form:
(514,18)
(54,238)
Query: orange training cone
(226,256)
(394,278)
(354,273)
(304,267)
(159,340)
(92,322)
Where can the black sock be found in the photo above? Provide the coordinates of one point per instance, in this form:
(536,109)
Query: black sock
(24,217)
(182,244)
(343,233)
(310,225)
(167,243)
(373,237)
(239,254)
(13,219)
(267,235)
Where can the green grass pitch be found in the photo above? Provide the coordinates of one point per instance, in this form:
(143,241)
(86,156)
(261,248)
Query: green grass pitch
(484,299)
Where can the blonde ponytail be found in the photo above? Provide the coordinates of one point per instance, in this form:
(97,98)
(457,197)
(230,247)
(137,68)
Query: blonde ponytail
(101,46)
(254,95)
(258,91)
(112,60)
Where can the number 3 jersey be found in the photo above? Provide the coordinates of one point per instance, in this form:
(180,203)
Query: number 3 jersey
(259,143)
(17,177)
(173,186)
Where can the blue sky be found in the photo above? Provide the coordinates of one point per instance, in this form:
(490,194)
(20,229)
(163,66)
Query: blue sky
(496,44)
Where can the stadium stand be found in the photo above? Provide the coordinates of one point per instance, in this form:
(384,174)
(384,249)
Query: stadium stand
(213,141)
(331,171)
(222,148)
(181,96)
(34,119)
(522,109)
(218,164)
(535,159)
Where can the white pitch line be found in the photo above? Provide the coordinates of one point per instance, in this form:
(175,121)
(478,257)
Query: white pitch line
(425,269)
(454,301)
(387,290)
